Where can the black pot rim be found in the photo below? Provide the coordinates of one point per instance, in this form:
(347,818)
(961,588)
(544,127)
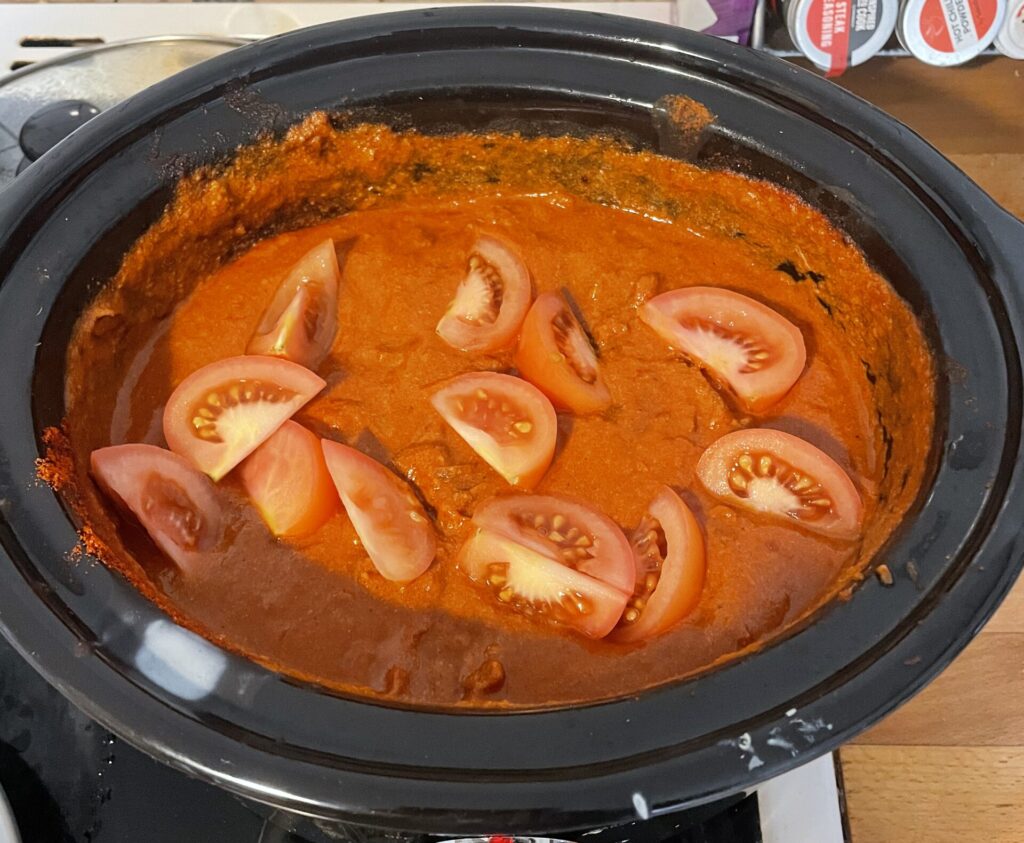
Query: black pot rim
(549,770)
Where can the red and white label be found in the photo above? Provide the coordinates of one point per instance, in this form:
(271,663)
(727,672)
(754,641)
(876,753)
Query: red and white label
(828,24)
(950,26)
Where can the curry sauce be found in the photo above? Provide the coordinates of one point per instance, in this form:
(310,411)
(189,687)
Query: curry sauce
(602,223)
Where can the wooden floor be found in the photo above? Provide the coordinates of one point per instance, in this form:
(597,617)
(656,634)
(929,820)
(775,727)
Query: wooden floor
(949,765)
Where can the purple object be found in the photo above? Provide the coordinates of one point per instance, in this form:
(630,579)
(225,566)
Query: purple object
(735,18)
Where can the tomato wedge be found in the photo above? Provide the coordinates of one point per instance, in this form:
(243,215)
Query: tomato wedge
(225,411)
(741,343)
(287,479)
(564,531)
(536,585)
(176,504)
(670,563)
(555,354)
(508,422)
(781,475)
(490,302)
(389,520)
(301,320)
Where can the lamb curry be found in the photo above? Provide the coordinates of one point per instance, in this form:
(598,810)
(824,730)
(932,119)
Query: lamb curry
(489,420)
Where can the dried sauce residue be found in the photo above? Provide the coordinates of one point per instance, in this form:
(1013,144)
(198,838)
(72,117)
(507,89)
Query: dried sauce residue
(681,123)
(688,117)
(89,544)
(56,468)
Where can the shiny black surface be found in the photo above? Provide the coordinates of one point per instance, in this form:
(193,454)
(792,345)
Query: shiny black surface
(48,126)
(947,248)
(69,780)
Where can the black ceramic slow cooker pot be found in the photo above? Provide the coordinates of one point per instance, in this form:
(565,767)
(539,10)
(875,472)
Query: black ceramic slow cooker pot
(949,250)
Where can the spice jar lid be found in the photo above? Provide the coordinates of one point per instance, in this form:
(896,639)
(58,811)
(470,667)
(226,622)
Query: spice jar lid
(949,32)
(836,34)
(1010,40)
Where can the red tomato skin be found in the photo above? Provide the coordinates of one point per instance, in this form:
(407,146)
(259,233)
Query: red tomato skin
(730,311)
(612,558)
(522,466)
(395,532)
(845,519)
(682,574)
(540,361)
(463,335)
(605,604)
(217,459)
(300,507)
(283,329)
(141,477)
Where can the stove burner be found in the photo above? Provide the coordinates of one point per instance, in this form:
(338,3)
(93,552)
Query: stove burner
(52,123)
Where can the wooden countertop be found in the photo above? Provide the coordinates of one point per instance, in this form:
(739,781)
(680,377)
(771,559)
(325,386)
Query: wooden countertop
(949,765)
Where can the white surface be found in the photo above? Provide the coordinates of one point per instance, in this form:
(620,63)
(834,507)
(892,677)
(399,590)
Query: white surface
(8,830)
(116,22)
(802,806)
(972,43)
(1010,40)
(696,15)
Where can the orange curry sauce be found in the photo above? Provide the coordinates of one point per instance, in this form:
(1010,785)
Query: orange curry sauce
(610,225)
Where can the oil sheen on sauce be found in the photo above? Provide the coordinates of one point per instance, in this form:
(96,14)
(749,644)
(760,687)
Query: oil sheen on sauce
(629,227)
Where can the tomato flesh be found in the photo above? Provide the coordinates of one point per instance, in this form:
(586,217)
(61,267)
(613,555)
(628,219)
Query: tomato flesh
(555,354)
(222,413)
(490,302)
(749,348)
(536,585)
(287,480)
(565,531)
(508,422)
(390,523)
(301,320)
(781,475)
(177,505)
(668,547)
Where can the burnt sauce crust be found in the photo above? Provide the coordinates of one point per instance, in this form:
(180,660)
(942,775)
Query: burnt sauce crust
(609,225)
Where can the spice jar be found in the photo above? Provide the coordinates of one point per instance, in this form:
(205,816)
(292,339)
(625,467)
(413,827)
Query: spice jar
(1010,40)
(836,34)
(949,32)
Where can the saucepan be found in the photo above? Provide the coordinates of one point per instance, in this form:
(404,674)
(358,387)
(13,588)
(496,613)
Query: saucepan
(949,250)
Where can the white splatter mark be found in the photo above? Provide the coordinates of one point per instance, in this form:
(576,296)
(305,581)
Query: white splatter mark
(809,729)
(745,745)
(640,804)
(791,712)
(775,739)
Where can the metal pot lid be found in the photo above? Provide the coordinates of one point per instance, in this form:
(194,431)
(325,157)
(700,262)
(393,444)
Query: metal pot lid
(62,92)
